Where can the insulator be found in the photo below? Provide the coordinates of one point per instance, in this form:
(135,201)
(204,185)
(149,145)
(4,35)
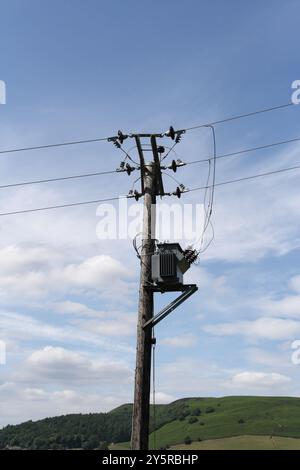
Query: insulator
(178,138)
(137,195)
(161,149)
(182,187)
(174,166)
(129,169)
(121,137)
(171,133)
(178,192)
(116,143)
(122,164)
(190,255)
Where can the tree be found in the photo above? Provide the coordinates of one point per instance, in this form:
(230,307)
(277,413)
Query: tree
(102,445)
(193,420)
(210,409)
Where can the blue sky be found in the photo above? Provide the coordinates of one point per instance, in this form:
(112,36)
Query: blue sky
(77,70)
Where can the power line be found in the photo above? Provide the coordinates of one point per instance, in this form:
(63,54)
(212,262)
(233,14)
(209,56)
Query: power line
(240,116)
(63,205)
(63,178)
(245,178)
(247,150)
(88,175)
(60,144)
(101,139)
(204,160)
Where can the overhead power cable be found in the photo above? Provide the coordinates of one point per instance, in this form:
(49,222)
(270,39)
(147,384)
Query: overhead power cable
(240,116)
(47,146)
(60,206)
(247,150)
(204,160)
(100,139)
(245,178)
(63,178)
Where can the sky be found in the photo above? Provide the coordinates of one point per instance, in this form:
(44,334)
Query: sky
(81,70)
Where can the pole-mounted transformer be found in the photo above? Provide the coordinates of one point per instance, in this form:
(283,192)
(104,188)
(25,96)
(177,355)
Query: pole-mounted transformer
(168,265)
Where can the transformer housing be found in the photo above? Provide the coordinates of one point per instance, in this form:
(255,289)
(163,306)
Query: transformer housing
(168,264)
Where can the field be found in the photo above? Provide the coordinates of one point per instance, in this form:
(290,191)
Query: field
(233,443)
(243,443)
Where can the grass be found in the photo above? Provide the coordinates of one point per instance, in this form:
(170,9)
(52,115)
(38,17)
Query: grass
(232,443)
(233,416)
(243,443)
(120,446)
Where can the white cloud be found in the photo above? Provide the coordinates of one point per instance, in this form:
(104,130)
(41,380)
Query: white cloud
(38,272)
(26,258)
(25,328)
(55,364)
(289,306)
(107,323)
(272,359)
(261,328)
(34,394)
(257,380)
(91,273)
(189,376)
(161,397)
(181,341)
(295,283)
(119,325)
(76,308)
(18,404)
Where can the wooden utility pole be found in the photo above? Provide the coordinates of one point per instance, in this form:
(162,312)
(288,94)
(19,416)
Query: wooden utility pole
(141,407)
(170,274)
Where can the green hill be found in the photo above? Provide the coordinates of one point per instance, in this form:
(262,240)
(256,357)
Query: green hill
(189,419)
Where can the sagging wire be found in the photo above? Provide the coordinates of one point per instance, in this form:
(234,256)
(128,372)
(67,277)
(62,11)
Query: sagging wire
(136,248)
(118,143)
(133,192)
(211,187)
(174,179)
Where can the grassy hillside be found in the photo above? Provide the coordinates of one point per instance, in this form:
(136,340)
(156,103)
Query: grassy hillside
(232,416)
(190,419)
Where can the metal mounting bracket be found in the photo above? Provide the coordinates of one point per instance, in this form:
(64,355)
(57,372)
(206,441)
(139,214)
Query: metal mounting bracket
(188,290)
(159,184)
(142,161)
